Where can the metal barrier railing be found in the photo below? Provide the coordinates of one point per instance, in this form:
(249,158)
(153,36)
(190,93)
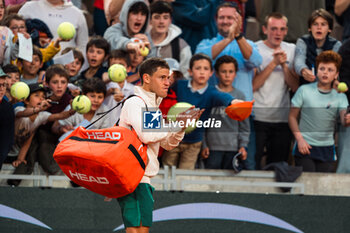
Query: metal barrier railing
(171,178)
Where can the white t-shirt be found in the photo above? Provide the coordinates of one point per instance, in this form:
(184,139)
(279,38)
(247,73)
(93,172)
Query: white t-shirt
(53,16)
(127,90)
(272,101)
(25,127)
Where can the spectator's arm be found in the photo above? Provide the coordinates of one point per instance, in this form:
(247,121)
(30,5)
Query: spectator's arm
(243,133)
(255,58)
(262,76)
(340,6)
(217,48)
(50,51)
(290,77)
(114,35)
(23,152)
(113,9)
(14,8)
(303,146)
(61,115)
(27,112)
(300,57)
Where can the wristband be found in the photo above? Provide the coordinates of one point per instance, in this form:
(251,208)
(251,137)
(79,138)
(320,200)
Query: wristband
(239,36)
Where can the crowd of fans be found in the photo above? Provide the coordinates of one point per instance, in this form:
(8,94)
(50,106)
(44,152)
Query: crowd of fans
(293,80)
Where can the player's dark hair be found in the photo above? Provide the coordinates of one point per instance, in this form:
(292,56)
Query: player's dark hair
(151,65)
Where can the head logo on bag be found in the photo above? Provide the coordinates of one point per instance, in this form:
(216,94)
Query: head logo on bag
(110,162)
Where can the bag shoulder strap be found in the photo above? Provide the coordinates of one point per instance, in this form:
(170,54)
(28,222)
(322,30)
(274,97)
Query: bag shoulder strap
(118,104)
(117,123)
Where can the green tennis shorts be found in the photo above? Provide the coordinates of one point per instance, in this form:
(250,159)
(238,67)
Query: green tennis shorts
(137,207)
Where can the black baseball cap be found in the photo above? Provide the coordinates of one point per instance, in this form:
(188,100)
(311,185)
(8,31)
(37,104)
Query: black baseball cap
(34,87)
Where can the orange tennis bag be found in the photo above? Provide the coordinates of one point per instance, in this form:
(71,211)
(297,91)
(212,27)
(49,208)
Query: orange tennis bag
(110,161)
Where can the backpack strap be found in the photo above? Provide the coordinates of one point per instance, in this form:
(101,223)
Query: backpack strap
(175,48)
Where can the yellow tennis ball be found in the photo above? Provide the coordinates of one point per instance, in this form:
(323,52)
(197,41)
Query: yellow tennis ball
(81,104)
(180,107)
(144,51)
(20,91)
(342,87)
(66,30)
(117,73)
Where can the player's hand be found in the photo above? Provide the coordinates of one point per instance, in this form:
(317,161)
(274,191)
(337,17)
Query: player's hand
(17,162)
(303,147)
(190,114)
(205,153)
(308,75)
(236,101)
(244,153)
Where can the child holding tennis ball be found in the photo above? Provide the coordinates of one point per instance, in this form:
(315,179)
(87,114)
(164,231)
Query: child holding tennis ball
(26,127)
(319,107)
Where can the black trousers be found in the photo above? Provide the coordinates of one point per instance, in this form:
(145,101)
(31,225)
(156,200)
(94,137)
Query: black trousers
(276,138)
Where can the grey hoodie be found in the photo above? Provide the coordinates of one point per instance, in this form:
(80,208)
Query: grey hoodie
(117,35)
(164,50)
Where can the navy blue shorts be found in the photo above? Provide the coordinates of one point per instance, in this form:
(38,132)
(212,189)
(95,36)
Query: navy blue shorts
(321,153)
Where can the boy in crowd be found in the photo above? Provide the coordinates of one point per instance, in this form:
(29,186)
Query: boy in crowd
(320,25)
(97,52)
(12,77)
(45,141)
(137,207)
(165,37)
(319,107)
(116,91)
(221,145)
(73,69)
(25,128)
(30,69)
(197,92)
(133,24)
(7,119)
(135,61)
(95,90)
